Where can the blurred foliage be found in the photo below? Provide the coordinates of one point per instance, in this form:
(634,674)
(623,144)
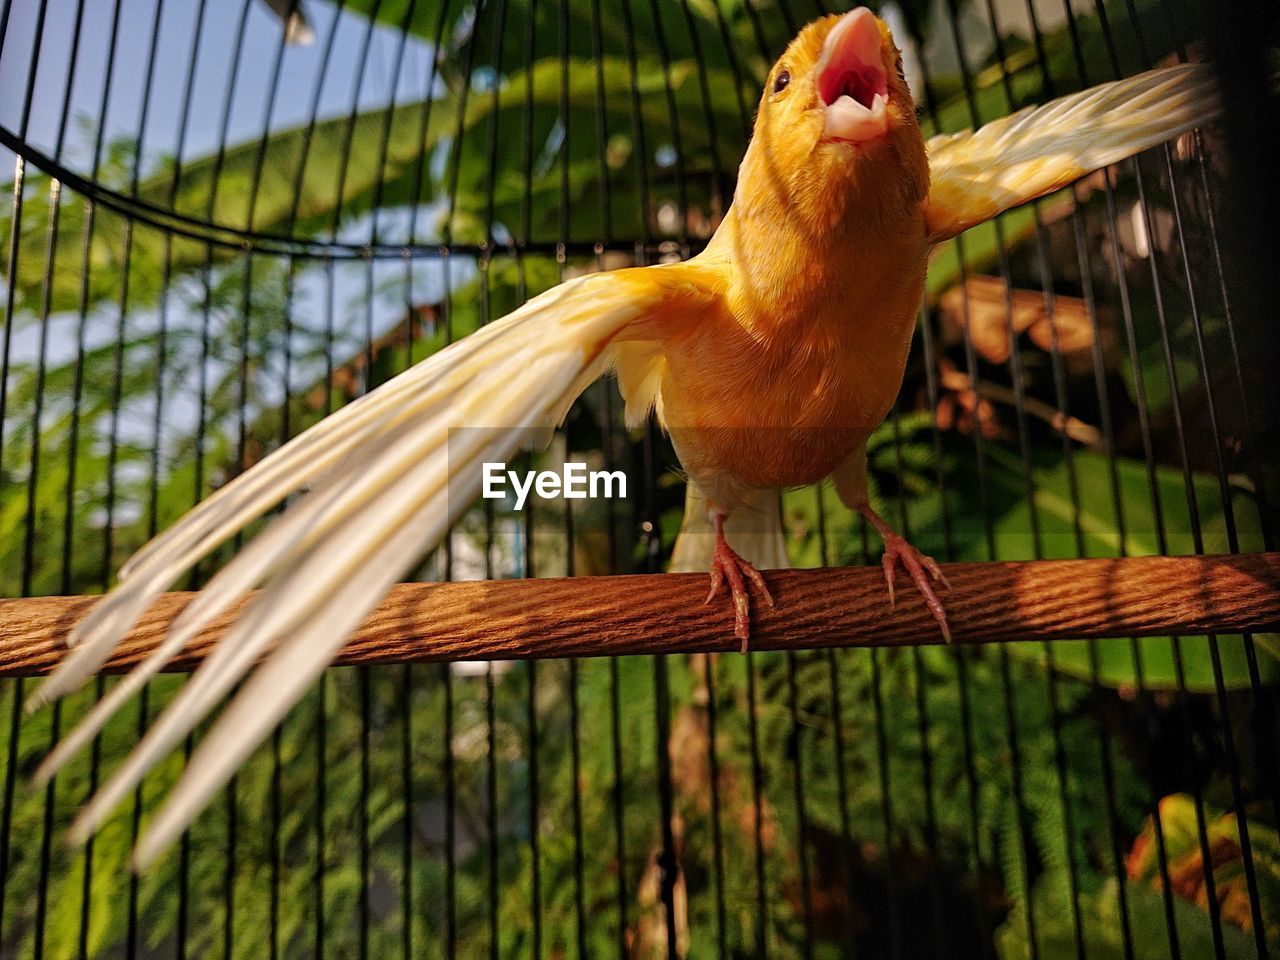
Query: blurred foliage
(1165,875)
(1225,840)
(925,796)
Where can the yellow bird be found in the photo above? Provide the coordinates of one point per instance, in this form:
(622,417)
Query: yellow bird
(769,358)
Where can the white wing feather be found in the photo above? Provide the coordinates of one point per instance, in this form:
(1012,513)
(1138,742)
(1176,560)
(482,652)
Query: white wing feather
(387,479)
(975,175)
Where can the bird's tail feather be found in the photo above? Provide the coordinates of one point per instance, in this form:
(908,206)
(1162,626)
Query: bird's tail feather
(754,526)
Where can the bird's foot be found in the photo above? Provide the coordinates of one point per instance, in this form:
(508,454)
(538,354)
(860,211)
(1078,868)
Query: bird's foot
(921,567)
(727,565)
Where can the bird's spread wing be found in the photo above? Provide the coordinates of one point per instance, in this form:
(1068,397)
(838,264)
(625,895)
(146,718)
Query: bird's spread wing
(976,175)
(385,477)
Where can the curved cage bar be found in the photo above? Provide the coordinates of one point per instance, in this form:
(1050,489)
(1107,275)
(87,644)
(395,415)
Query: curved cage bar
(225,220)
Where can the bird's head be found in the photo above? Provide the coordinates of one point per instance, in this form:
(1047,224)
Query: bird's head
(836,129)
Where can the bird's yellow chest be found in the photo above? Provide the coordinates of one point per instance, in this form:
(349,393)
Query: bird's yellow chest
(776,387)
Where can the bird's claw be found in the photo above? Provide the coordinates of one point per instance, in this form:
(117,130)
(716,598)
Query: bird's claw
(727,565)
(921,567)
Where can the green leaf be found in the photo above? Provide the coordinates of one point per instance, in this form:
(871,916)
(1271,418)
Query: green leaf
(1151,661)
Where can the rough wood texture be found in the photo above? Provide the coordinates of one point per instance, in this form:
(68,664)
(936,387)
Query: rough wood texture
(845,607)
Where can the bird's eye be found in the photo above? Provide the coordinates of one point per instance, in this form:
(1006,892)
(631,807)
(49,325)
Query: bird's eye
(781,80)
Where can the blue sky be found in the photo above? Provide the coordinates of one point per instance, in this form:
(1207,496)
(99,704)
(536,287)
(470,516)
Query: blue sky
(174,49)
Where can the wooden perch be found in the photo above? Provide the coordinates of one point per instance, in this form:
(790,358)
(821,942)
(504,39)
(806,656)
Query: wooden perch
(664,613)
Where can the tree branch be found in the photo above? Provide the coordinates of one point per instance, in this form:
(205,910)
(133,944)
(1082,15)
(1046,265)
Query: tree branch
(664,613)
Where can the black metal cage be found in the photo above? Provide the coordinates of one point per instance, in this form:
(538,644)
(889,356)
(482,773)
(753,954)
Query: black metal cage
(226,219)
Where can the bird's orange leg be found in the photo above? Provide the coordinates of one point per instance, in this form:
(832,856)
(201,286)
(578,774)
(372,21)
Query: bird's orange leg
(727,565)
(896,549)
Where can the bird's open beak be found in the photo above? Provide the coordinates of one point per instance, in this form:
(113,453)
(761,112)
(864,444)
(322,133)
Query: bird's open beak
(852,80)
